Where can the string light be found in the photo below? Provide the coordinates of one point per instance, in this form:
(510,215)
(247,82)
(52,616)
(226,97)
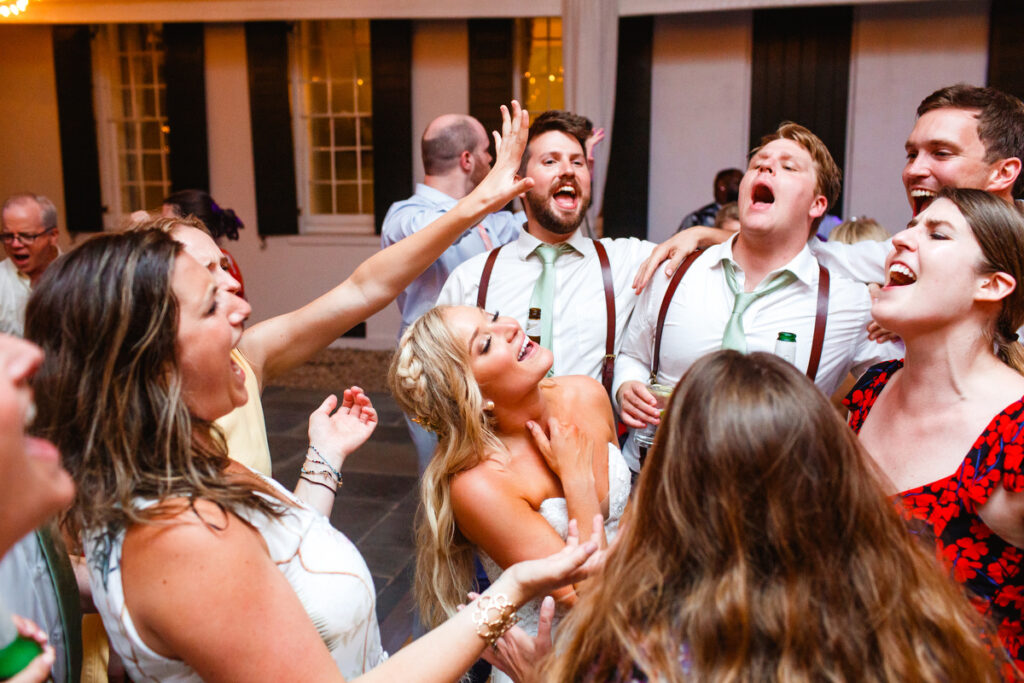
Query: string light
(13,9)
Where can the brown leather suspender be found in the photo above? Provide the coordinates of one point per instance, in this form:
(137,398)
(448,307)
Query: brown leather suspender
(669,293)
(608,362)
(820,317)
(485,278)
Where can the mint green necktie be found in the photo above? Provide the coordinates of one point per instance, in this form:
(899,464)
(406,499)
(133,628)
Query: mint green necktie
(734,336)
(544,291)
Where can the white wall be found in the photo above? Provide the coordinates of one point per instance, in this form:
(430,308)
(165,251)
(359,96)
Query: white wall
(440,77)
(900,54)
(29,134)
(700,110)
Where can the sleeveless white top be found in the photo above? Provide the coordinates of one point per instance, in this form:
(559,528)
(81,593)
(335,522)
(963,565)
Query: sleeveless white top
(324,568)
(556,512)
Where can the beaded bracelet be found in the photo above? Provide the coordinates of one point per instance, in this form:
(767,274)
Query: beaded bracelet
(323,474)
(317,483)
(494,614)
(321,460)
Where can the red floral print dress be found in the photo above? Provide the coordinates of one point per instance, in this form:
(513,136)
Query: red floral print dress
(978,558)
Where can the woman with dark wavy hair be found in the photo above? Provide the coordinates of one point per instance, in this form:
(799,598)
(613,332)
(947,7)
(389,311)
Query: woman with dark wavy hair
(761,546)
(201,568)
(946,424)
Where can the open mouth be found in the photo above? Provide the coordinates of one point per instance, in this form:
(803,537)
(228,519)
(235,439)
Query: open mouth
(900,276)
(921,199)
(526,348)
(762,195)
(566,196)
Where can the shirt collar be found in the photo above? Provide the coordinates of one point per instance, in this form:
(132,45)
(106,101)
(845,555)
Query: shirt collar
(527,243)
(435,196)
(803,265)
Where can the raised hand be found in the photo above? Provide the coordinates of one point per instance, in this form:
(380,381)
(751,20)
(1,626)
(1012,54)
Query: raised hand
(502,184)
(337,433)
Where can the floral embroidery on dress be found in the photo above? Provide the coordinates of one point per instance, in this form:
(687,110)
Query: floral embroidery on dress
(976,557)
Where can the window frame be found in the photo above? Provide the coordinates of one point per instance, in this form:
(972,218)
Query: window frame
(361,224)
(107,84)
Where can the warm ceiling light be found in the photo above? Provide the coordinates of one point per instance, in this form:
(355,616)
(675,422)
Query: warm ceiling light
(13,9)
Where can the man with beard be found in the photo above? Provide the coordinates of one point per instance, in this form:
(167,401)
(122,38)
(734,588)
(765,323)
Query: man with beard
(551,266)
(748,292)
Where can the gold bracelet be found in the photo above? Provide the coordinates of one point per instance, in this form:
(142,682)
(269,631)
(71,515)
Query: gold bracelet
(494,614)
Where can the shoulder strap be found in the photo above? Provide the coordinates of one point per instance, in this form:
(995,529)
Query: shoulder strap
(485,279)
(608,364)
(820,318)
(669,293)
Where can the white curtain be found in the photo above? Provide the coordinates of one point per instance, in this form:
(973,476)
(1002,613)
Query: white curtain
(590,36)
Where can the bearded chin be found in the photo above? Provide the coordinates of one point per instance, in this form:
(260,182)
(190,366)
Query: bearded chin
(555,222)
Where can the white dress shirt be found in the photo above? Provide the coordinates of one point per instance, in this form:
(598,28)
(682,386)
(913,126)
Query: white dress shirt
(701,307)
(579,325)
(15,288)
(417,212)
(862,261)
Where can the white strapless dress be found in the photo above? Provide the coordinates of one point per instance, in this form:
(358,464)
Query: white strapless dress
(556,513)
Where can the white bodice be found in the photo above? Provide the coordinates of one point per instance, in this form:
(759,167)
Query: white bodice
(324,568)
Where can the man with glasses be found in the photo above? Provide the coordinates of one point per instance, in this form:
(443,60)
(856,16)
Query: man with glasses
(28,230)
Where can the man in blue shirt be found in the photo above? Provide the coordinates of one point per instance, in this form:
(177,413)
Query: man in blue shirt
(455,160)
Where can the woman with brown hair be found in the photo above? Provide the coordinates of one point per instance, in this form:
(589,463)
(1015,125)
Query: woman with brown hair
(946,424)
(761,546)
(201,568)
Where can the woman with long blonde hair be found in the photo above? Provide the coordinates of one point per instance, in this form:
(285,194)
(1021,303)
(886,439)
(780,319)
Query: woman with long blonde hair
(761,546)
(518,455)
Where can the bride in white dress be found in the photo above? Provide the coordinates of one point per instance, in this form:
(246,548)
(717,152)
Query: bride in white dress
(518,455)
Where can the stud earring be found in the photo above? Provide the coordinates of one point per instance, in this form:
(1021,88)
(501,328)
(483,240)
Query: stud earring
(488,405)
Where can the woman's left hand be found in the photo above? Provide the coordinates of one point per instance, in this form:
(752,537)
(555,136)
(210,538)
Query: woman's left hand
(517,653)
(337,433)
(566,449)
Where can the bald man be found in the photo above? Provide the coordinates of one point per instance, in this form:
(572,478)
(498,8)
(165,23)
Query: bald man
(455,160)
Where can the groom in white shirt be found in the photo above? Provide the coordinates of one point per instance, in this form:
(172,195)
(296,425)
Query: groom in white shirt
(555,158)
(789,185)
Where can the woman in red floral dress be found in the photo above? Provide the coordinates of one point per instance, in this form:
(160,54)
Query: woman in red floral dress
(952,296)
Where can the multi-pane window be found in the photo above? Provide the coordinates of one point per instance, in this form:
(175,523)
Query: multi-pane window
(541,72)
(332,112)
(131,118)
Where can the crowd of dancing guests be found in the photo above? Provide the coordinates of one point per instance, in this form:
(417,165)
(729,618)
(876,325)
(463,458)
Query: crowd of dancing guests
(762,538)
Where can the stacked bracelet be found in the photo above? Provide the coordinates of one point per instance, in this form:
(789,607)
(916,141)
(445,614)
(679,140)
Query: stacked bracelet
(321,460)
(494,614)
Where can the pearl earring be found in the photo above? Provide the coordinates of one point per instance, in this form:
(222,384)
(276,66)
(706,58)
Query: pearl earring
(488,405)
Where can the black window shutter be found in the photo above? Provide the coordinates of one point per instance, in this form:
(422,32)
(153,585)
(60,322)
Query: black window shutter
(184,73)
(628,182)
(1005,48)
(491,70)
(801,73)
(266,45)
(79,152)
(391,82)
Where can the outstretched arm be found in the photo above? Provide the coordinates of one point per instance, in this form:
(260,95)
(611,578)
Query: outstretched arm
(677,248)
(277,345)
